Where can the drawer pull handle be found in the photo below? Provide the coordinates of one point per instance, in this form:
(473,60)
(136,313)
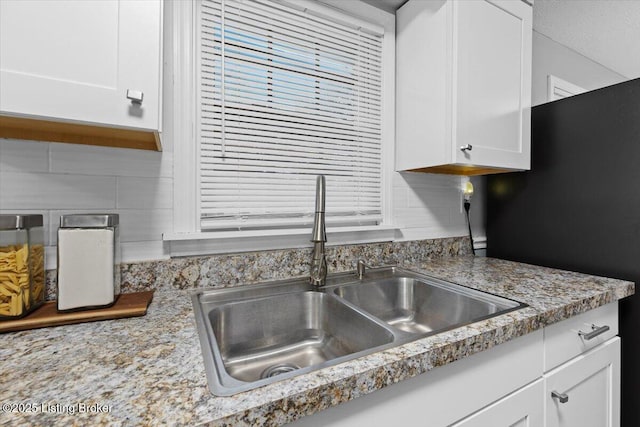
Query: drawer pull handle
(562,397)
(595,331)
(467,147)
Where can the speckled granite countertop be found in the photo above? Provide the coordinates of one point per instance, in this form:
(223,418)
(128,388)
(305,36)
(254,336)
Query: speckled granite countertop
(149,370)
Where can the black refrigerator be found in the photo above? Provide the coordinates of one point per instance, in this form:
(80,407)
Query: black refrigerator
(578,208)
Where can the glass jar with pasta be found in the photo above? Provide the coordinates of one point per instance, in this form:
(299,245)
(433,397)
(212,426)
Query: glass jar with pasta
(22,276)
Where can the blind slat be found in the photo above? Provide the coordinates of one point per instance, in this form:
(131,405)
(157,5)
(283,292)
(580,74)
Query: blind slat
(293,114)
(268,15)
(300,43)
(213,117)
(364,79)
(278,139)
(286,81)
(218,224)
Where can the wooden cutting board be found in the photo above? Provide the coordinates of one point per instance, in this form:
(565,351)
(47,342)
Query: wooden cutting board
(127,305)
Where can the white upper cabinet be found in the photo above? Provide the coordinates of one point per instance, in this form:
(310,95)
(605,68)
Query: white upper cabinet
(75,61)
(463,86)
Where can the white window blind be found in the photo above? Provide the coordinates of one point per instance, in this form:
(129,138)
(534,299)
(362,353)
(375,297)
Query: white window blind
(285,94)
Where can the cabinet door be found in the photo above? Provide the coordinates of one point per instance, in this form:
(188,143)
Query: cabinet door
(523,408)
(591,382)
(445,394)
(75,60)
(492,83)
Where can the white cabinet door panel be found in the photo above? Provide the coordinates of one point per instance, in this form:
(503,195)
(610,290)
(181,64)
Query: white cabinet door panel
(591,382)
(523,408)
(493,78)
(75,60)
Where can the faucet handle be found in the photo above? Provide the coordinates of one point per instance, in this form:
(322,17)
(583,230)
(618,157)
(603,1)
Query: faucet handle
(361,268)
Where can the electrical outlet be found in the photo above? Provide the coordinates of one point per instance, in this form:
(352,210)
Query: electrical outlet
(466,191)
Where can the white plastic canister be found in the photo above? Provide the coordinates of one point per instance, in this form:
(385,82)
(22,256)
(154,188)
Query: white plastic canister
(88,261)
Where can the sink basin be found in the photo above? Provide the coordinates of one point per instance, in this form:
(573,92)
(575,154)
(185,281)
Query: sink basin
(255,335)
(423,306)
(265,337)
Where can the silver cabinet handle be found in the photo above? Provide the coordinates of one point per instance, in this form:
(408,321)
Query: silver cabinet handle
(135,96)
(562,397)
(595,331)
(467,147)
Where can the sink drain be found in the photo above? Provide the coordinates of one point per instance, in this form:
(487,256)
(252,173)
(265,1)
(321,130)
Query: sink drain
(281,368)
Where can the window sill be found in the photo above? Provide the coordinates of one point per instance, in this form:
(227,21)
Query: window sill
(201,243)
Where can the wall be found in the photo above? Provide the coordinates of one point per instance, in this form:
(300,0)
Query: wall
(430,206)
(550,57)
(54,179)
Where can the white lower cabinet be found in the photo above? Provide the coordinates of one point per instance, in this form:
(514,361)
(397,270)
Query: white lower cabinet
(446,394)
(586,389)
(511,385)
(523,408)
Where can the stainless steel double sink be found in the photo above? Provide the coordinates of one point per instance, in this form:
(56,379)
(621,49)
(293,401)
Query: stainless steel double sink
(254,335)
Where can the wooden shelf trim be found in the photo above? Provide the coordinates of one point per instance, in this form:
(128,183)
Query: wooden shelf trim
(73,133)
(462,170)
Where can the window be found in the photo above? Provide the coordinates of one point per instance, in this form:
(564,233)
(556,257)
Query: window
(284,91)
(286,95)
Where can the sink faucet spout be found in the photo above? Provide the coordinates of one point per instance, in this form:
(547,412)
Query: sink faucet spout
(318,271)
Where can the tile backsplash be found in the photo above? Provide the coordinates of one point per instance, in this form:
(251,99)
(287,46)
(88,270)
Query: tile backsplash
(53,179)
